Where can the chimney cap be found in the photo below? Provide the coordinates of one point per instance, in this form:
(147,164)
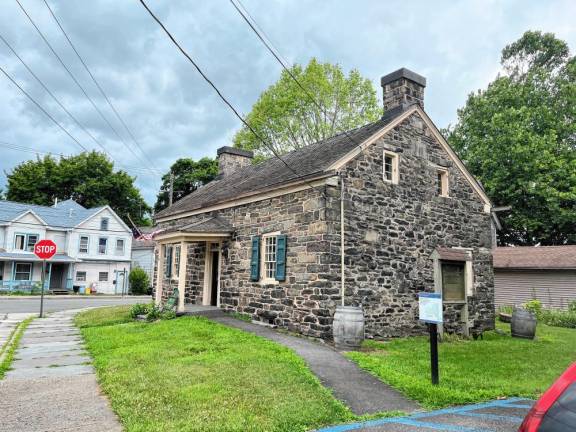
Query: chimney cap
(403,73)
(235,151)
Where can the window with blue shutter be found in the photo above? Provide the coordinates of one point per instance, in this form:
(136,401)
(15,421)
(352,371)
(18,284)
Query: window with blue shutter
(281,258)
(255,260)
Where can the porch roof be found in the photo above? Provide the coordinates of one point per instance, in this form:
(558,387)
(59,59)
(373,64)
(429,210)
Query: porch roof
(205,228)
(27,257)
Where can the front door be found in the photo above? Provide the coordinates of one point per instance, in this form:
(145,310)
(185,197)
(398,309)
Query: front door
(215,273)
(56,276)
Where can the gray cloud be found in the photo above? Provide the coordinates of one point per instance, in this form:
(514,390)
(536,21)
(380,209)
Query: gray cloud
(173,112)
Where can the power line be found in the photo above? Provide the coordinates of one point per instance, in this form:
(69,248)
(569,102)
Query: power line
(74,78)
(223,98)
(42,108)
(276,55)
(97,83)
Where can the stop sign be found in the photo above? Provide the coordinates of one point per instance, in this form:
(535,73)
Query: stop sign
(45,249)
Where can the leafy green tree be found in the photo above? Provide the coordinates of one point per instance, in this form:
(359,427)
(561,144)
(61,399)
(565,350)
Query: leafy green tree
(189,175)
(139,281)
(519,138)
(287,118)
(88,178)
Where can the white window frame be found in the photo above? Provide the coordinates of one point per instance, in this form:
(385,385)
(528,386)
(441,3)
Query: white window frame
(100,274)
(167,264)
(104,224)
(442,183)
(264,273)
(87,244)
(394,175)
(120,251)
(105,246)
(176,252)
(22,272)
(30,248)
(81,279)
(23,241)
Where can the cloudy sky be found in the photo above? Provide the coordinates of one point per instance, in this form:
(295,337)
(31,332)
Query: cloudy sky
(173,113)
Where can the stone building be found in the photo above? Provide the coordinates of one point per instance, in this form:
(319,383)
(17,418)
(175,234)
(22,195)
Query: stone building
(265,239)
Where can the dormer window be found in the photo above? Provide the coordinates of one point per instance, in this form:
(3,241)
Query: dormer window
(104,224)
(390,168)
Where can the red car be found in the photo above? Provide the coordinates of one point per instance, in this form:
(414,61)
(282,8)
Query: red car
(555,411)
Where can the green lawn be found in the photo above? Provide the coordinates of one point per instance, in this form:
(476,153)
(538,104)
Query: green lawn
(193,374)
(472,371)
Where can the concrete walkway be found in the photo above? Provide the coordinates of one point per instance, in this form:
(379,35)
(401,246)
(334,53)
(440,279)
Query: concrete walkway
(362,392)
(52,386)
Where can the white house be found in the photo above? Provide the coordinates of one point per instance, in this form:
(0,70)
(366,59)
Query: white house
(93,247)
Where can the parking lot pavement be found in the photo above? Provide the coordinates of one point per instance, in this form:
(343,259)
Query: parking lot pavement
(497,416)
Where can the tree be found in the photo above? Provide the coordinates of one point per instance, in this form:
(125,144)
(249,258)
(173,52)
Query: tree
(287,118)
(519,138)
(189,175)
(139,281)
(88,178)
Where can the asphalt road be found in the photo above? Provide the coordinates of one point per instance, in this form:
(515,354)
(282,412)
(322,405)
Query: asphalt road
(496,416)
(60,303)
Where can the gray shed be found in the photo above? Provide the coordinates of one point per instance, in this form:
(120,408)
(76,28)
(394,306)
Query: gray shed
(546,273)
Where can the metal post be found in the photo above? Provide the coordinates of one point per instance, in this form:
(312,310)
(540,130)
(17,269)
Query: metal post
(342,269)
(42,289)
(434,352)
(171,192)
(124,282)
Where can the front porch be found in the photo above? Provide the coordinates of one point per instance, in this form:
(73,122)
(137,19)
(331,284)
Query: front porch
(23,273)
(189,258)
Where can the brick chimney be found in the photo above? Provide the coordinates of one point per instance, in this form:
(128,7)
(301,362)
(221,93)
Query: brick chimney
(402,88)
(231,159)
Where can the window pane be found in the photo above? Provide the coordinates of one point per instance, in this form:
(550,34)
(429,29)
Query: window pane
(32,240)
(388,162)
(84,244)
(19,242)
(104,224)
(120,246)
(23,271)
(81,276)
(102,243)
(103,276)
(269,257)
(453,287)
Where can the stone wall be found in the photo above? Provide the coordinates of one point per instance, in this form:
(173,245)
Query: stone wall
(392,229)
(194,287)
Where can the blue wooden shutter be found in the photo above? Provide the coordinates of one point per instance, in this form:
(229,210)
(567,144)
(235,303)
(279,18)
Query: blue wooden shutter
(281,258)
(255,260)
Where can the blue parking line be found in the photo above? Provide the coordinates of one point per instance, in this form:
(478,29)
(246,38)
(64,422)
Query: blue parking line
(414,420)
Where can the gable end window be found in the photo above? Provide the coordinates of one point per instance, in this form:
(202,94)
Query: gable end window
(390,167)
(83,247)
(442,183)
(104,224)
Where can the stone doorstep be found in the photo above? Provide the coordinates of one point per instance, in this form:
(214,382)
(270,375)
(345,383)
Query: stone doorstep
(41,372)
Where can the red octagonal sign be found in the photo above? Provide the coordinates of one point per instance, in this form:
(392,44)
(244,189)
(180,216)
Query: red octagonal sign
(45,249)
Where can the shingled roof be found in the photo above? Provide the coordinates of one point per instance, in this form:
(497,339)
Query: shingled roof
(307,162)
(537,258)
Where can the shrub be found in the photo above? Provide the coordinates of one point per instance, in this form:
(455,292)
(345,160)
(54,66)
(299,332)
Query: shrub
(139,281)
(534,306)
(168,315)
(572,306)
(154,313)
(558,318)
(139,309)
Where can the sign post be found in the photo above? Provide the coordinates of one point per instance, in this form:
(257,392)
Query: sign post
(430,311)
(44,249)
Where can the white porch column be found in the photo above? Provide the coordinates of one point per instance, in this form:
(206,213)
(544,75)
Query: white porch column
(182,275)
(159,274)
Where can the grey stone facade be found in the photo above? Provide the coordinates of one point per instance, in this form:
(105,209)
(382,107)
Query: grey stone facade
(391,231)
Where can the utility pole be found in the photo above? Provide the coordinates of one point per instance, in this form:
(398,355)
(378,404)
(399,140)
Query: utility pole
(171,192)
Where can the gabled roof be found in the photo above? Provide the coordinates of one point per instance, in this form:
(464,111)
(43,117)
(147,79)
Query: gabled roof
(65,214)
(209,225)
(304,164)
(536,258)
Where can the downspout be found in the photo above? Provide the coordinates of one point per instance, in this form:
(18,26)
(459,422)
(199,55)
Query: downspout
(342,269)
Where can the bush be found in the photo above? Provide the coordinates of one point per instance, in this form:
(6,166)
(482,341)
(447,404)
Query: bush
(139,281)
(558,318)
(534,306)
(139,309)
(572,306)
(154,313)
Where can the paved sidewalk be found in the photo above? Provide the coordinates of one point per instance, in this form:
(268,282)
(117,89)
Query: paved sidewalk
(496,416)
(8,323)
(52,385)
(362,392)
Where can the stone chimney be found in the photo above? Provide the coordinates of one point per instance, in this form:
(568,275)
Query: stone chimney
(402,88)
(231,159)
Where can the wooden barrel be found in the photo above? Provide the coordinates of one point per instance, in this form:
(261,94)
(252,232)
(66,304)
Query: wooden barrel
(348,327)
(523,324)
